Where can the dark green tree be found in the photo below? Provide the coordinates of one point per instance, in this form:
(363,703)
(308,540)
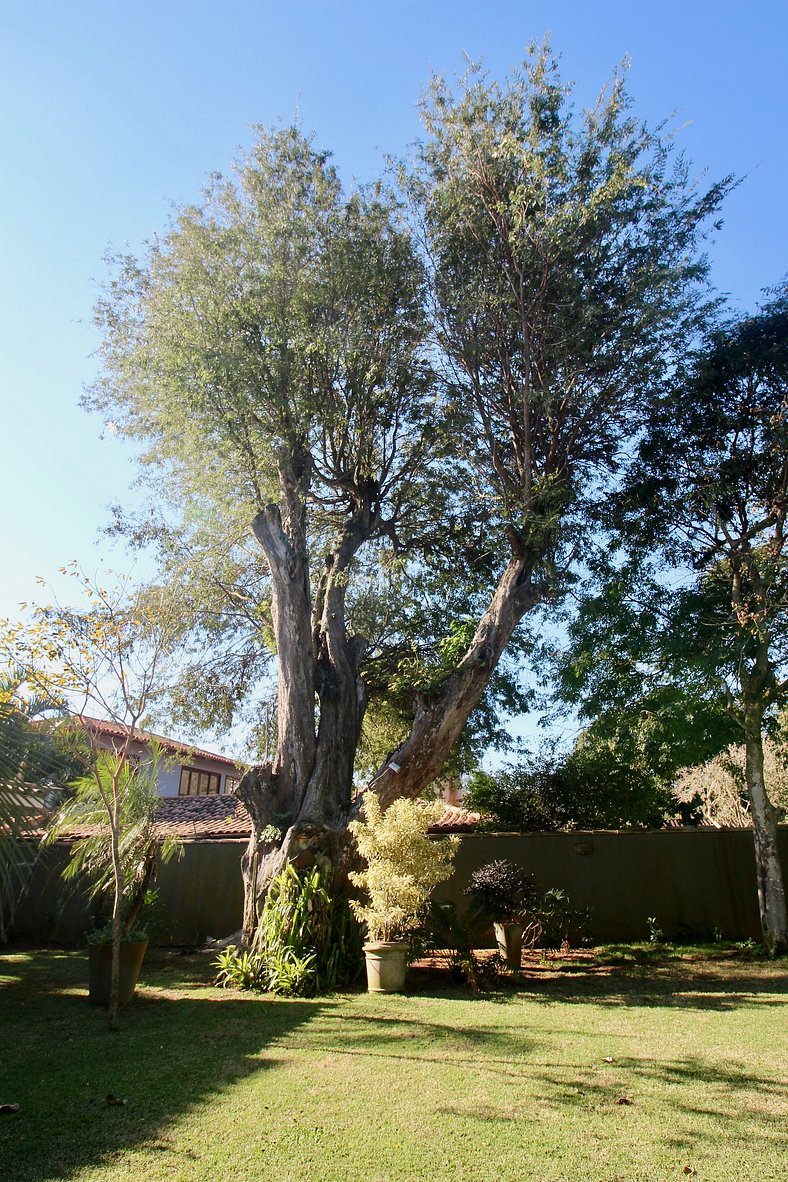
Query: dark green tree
(703,600)
(619,771)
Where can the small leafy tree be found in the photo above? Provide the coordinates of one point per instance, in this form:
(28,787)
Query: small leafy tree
(505,892)
(109,658)
(403,864)
(140,847)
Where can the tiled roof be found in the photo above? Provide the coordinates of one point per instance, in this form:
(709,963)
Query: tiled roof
(199,818)
(455,820)
(117,730)
(206,818)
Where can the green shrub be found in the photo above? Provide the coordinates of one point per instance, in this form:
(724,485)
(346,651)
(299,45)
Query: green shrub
(307,941)
(505,893)
(563,926)
(404,865)
(446,931)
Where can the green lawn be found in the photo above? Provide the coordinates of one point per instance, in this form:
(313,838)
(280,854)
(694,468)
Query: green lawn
(435,1084)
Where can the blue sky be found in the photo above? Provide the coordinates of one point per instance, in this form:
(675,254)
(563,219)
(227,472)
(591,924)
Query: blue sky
(113,111)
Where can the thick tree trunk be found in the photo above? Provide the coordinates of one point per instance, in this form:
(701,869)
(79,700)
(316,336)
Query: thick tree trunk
(771,890)
(341,692)
(292,620)
(441,716)
(300,804)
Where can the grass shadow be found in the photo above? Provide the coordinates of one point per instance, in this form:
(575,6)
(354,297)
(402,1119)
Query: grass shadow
(675,980)
(181,1044)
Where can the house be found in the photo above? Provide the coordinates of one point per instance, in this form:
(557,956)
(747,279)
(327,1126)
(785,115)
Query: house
(215,818)
(186,770)
(196,788)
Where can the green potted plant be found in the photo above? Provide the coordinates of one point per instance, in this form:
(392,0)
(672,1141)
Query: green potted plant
(403,867)
(133,946)
(114,859)
(507,895)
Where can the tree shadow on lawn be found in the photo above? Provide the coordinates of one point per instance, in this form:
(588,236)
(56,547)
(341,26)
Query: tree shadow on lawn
(678,984)
(413,1039)
(742,1104)
(178,1047)
(678,991)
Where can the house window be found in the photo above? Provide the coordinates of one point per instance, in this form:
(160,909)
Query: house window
(231,783)
(195,782)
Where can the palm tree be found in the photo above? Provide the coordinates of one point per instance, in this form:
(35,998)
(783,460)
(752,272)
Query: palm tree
(90,810)
(30,754)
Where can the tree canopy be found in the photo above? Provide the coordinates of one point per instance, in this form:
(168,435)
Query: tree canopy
(420,402)
(701,599)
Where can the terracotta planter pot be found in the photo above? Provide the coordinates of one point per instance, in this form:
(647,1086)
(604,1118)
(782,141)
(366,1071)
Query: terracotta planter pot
(386,965)
(509,937)
(100,971)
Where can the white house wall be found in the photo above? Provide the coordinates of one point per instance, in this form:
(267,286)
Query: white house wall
(170,775)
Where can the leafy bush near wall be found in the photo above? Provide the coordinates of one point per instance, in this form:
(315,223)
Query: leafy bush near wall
(307,943)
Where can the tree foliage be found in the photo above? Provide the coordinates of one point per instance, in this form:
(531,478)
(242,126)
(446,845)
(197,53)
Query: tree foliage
(566,274)
(416,417)
(140,846)
(32,756)
(701,600)
(715,792)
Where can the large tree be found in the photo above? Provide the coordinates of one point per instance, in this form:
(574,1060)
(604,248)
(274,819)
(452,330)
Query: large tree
(272,350)
(703,597)
(565,277)
(271,353)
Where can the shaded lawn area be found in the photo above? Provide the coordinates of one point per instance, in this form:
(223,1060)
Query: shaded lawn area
(618,1066)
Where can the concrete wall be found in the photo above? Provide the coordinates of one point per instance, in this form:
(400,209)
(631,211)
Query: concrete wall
(691,880)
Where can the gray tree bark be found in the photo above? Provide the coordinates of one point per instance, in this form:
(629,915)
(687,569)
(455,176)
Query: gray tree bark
(771,889)
(440,717)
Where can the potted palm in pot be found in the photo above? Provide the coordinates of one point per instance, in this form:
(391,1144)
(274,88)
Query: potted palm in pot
(403,867)
(507,895)
(114,858)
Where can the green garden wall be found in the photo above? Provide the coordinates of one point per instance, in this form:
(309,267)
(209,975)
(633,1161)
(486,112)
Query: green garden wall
(692,881)
(201,895)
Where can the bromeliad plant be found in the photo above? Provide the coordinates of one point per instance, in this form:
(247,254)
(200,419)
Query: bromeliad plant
(403,865)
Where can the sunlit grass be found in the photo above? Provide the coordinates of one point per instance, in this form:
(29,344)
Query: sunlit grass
(631,1071)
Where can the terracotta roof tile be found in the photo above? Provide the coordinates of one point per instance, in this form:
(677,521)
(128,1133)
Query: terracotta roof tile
(199,818)
(117,730)
(206,818)
(455,820)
